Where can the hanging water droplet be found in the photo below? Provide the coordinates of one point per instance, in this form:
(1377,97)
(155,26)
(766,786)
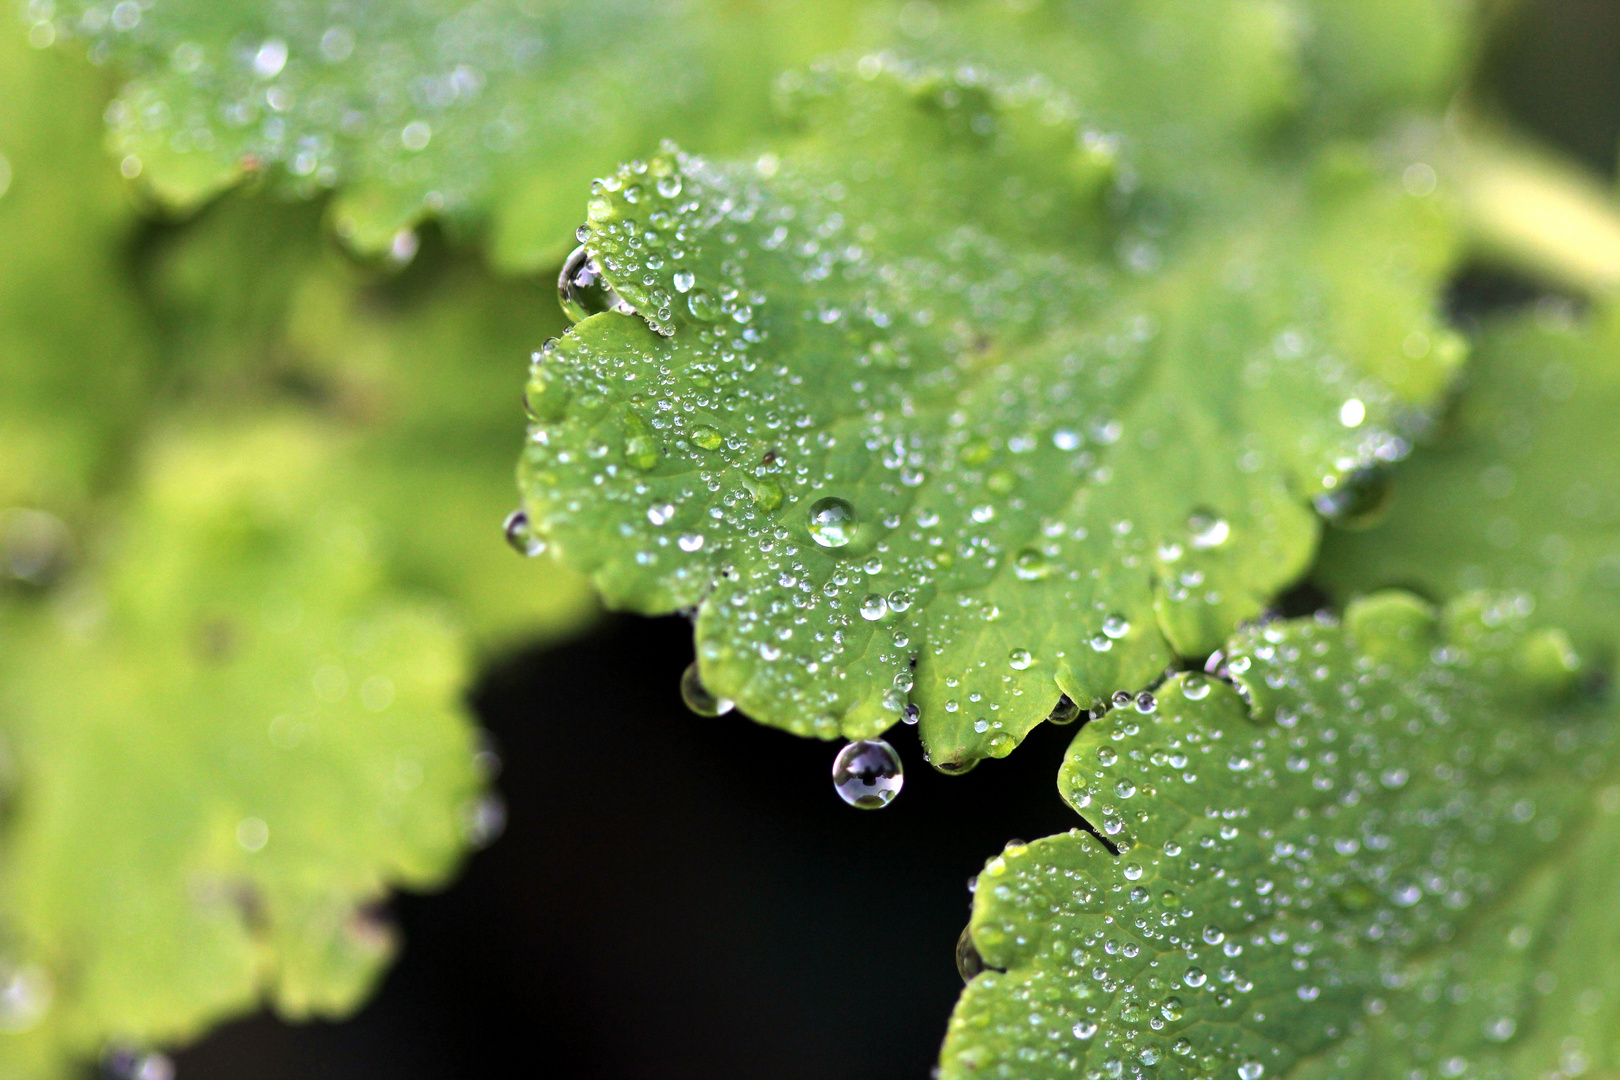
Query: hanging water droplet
(1031,565)
(1207,530)
(911,713)
(1116,626)
(582,290)
(521,536)
(867,774)
(1019,659)
(831,522)
(873,607)
(968,961)
(1359,499)
(697,696)
(1064,712)
(706,437)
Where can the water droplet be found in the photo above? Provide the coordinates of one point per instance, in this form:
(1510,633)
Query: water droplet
(697,696)
(1500,1028)
(1214,935)
(911,713)
(1133,871)
(1148,1056)
(1195,977)
(1352,413)
(1358,501)
(1031,565)
(1172,1008)
(1084,1029)
(703,306)
(669,186)
(1125,789)
(1195,688)
(831,522)
(1122,698)
(1064,712)
(968,961)
(768,494)
(684,280)
(867,774)
(1019,659)
(583,292)
(691,542)
(270,58)
(1251,1070)
(707,437)
(873,607)
(1106,755)
(1207,530)
(521,536)
(1146,702)
(1116,626)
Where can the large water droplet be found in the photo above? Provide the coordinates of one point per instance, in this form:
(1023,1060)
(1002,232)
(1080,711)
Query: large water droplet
(706,437)
(1019,659)
(1251,1070)
(874,607)
(1031,565)
(1359,500)
(697,696)
(703,306)
(831,522)
(1116,626)
(867,774)
(521,536)
(582,290)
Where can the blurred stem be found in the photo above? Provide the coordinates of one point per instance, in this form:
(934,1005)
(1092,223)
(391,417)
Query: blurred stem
(1532,211)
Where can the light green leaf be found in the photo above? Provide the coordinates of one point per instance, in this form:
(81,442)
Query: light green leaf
(1077,421)
(224,748)
(1303,858)
(1520,488)
(493,113)
(66,308)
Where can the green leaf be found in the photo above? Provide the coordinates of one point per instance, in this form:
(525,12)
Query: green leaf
(226,746)
(1326,853)
(65,305)
(1076,419)
(492,114)
(1520,489)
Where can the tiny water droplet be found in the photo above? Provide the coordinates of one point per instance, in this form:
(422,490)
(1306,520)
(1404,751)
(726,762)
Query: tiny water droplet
(968,961)
(1019,659)
(521,536)
(583,292)
(1084,1029)
(697,696)
(1064,712)
(831,522)
(1358,501)
(867,774)
(1031,565)
(1207,530)
(1116,626)
(703,306)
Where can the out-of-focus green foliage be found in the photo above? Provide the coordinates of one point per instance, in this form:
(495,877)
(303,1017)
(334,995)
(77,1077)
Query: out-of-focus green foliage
(249,542)
(1519,488)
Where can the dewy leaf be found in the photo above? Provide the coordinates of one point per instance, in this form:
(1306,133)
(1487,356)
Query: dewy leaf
(65,307)
(940,409)
(1327,849)
(226,747)
(1520,489)
(492,112)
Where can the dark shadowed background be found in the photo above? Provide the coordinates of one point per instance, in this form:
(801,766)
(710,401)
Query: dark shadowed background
(685,897)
